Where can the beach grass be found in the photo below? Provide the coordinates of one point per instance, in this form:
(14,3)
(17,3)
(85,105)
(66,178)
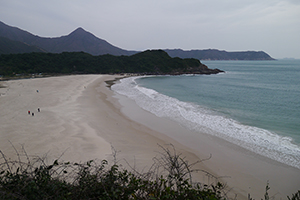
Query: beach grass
(170,177)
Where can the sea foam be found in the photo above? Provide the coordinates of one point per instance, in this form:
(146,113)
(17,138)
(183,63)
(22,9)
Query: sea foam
(197,118)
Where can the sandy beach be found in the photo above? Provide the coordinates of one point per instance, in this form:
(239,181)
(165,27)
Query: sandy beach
(80,119)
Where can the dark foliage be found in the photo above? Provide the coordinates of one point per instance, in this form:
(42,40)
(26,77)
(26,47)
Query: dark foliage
(148,62)
(167,179)
(295,196)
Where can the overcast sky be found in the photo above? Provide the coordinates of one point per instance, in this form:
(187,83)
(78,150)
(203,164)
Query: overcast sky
(272,26)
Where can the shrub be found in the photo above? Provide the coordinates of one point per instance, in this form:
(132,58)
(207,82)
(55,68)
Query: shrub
(170,177)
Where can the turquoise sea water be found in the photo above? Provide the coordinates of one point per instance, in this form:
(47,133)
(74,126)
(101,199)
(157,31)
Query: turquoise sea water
(255,104)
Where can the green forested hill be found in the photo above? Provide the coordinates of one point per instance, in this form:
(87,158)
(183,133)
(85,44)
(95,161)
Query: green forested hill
(147,62)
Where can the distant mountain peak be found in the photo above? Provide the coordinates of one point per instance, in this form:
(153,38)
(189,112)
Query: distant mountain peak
(80,31)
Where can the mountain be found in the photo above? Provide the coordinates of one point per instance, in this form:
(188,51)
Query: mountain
(214,54)
(78,40)
(8,46)
(81,40)
(16,34)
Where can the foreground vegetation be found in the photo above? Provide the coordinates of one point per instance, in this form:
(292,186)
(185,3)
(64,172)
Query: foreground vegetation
(170,177)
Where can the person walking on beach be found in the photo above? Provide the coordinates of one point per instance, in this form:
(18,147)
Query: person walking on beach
(39,110)
(28,112)
(32,114)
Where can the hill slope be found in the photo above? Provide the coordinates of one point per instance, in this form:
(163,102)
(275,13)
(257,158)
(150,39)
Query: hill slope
(8,46)
(78,40)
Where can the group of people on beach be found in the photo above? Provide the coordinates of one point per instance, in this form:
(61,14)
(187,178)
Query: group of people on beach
(32,113)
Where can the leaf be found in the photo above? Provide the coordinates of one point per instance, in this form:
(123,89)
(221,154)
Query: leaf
(55,162)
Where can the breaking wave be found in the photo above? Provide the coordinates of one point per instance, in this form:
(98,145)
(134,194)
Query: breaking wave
(197,118)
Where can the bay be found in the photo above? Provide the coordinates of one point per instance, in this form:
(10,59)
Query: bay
(254,104)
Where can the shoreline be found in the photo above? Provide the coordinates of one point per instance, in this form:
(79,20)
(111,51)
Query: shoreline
(244,170)
(81,119)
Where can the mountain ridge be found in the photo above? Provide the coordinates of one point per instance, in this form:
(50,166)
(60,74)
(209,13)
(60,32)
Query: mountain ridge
(82,40)
(78,40)
(215,54)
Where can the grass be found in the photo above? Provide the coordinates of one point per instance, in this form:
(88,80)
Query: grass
(170,177)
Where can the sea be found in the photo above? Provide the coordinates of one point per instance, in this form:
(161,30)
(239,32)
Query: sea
(254,104)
